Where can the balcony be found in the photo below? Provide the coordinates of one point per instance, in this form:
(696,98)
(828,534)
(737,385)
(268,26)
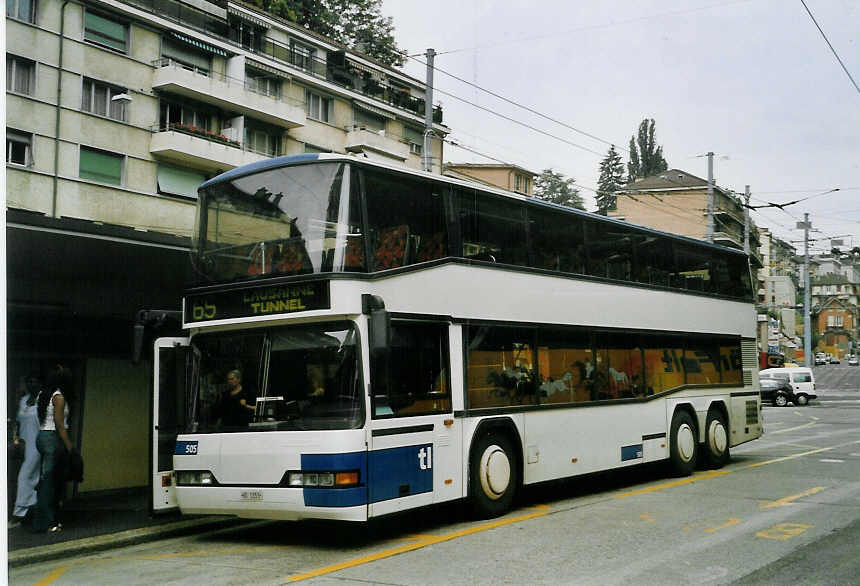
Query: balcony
(362,140)
(207,153)
(225,93)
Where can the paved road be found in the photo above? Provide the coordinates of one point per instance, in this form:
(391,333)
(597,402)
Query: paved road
(785,511)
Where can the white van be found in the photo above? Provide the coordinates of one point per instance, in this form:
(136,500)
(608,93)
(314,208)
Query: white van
(801,379)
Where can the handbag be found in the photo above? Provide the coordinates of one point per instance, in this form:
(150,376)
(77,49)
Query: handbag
(75,467)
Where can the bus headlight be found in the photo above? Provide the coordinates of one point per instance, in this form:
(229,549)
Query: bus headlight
(322,479)
(195,478)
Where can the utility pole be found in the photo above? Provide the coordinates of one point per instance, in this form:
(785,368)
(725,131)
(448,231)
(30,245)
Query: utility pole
(747,220)
(426,152)
(807,286)
(709,230)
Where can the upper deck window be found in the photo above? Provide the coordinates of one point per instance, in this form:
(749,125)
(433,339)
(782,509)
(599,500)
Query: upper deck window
(290,220)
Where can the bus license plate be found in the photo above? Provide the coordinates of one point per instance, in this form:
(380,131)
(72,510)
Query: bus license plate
(252,495)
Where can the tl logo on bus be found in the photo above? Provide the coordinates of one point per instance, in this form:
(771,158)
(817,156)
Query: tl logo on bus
(425,458)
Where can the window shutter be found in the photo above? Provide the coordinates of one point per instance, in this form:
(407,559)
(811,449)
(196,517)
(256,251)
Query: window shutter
(179,181)
(102,167)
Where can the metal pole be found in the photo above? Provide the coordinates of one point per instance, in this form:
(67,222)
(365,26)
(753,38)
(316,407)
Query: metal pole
(807,322)
(709,229)
(426,153)
(747,220)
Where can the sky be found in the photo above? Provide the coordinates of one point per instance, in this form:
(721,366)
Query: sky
(752,81)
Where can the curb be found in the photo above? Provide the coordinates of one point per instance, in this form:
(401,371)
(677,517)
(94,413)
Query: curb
(55,551)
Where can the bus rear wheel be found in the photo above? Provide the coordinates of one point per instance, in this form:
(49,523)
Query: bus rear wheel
(493,475)
(716,446)
(682,444)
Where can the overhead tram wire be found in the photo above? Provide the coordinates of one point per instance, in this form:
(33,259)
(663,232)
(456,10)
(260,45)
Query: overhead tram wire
(518,105)
(515,121)
(832,50)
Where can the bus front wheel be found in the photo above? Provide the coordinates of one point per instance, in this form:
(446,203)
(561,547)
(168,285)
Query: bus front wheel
(716,446)
(682,444)
(493,475)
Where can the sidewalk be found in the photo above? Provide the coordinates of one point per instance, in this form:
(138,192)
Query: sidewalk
(103,522)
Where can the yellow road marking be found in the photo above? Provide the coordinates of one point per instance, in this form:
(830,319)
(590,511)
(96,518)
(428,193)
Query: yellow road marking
(432,540)
(783,531)
(789,500)
(647,517)
(728,523)
(53,576)
(681,482)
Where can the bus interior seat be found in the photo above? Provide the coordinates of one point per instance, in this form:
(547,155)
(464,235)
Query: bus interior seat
(391,248)
(294,257)
(431,247)
(354,257)
(260,259)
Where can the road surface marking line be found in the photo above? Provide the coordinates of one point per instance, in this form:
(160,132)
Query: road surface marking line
(783,531)
(793,456)
(728,523)
(683,481)
(832,460)
(792,428)
(789,500)
(55,574)
(413,546)
(204,552)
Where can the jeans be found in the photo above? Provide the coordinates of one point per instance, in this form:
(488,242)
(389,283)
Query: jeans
(53,451)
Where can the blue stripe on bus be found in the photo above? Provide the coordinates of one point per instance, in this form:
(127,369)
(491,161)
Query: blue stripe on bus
(384,474)
(399,472)
(336,497)
(633,452)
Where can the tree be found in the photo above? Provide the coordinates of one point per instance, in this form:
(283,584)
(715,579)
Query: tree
(555,188)
(647,159)
(611,180)
(358,24)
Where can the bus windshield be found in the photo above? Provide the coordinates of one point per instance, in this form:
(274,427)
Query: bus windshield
(296,219)
(294,378)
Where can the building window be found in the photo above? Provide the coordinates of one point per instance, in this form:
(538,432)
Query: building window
(187,57)
(317,107)
(368,120)
(261,140)
(521,183)
(104,100)
(21,10)
(106,32)
(18,145)
(181,182)
(415,139)
(100,166)
(20,75)
(263,84)
(302,56)
(190,117)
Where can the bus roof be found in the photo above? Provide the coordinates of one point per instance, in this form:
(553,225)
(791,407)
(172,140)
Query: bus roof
(285,161)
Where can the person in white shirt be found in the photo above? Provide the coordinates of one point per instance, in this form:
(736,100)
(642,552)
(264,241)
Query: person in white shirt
(54,445)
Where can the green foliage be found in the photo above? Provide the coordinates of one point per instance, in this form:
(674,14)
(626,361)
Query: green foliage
(646,158)
(358,24)
(611,180)
(555,188)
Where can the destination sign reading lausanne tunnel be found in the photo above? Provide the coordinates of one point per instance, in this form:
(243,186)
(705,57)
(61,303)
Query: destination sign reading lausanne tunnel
(259,301)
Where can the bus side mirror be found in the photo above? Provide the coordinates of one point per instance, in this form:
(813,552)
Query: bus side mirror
(379,342)
(137,343)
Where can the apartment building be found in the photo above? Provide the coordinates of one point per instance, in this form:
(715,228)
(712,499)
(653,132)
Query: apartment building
(116,111)
(835,299)
(510,177)
(676,201)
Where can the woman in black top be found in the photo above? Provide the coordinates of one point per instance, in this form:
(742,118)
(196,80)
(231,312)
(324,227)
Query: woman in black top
(235,410)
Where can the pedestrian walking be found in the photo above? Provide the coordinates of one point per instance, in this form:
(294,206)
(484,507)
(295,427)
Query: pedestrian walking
(26,432)
(53,406)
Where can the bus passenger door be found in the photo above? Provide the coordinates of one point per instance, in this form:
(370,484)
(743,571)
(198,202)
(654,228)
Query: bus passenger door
(170,363)
(414,439)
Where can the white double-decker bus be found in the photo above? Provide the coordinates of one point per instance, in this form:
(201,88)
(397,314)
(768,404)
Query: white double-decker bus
(401,339)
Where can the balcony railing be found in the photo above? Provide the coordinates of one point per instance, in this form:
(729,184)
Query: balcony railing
(199,132)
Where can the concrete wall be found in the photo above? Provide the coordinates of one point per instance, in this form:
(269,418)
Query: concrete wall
(115,436)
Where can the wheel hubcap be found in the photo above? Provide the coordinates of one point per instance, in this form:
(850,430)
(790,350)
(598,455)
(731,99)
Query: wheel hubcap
(495,472)
(717,438)
(686,442)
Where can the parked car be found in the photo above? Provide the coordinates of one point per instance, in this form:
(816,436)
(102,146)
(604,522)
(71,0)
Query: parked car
(853,361)
(776,391)
(820,360)
(834,360)
(801,379)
